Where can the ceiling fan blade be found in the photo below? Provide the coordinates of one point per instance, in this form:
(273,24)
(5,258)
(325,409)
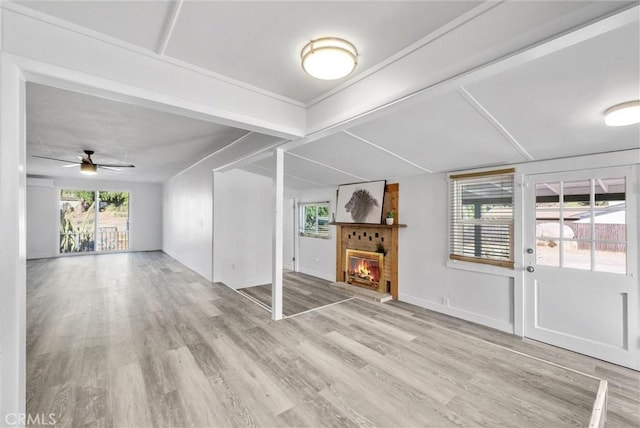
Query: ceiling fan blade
(55,159)
(110,168)
(114,165)
(69,166)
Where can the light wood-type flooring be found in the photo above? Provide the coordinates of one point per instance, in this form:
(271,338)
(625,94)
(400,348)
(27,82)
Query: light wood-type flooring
(300,293)
(137,340)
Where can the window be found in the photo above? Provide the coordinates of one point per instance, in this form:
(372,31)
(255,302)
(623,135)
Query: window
(314,220)
(83,228)
(592,213)
(481,217)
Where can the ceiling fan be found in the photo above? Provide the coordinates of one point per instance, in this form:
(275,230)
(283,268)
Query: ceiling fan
(87,166)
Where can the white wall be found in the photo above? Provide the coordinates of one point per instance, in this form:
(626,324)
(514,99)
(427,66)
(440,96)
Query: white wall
(220,224)
(42,219)
(493,297)
(317,257)
(187,229)
(245,214)
(145,213)
(486,295)
(423,276)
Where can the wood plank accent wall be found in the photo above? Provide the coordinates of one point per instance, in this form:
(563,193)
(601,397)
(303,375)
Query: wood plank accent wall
(366,236)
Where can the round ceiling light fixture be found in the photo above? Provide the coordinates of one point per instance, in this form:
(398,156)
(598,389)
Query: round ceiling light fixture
(623,114)
(329,58)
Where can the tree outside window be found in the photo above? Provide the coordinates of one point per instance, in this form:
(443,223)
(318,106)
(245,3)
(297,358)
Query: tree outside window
(314,220)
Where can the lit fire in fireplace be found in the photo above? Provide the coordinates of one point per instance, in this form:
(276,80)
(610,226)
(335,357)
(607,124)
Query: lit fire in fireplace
(364,269)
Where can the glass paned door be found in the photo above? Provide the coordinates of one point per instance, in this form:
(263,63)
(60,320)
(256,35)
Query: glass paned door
(113,221)
(581,262)
(588,229)
(93,221)
(77,221)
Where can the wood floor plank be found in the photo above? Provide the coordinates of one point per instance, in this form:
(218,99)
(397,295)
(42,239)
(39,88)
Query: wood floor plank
(301,293)
(260,386)
(148,343)
(201,404)
(129,397)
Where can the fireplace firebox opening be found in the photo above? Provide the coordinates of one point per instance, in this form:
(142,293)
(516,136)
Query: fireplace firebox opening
(365,268)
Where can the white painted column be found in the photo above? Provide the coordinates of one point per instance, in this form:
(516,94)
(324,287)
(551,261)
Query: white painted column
(278,227)
(216,210)
(13,244)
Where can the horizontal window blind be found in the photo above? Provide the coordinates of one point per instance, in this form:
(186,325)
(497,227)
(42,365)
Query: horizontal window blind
(481,217)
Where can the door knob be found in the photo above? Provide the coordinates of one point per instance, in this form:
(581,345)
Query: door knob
(530,269)
(529,250)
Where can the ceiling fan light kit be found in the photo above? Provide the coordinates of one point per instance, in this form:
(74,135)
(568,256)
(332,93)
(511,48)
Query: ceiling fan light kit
(329,58)
(88,168)
(623,114)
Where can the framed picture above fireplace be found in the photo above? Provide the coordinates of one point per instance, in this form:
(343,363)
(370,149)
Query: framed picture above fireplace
(360,202)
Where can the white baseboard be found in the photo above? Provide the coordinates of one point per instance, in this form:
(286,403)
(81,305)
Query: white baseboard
(458,313)
(40,256)
(206,276)
(245,283)
(317,274)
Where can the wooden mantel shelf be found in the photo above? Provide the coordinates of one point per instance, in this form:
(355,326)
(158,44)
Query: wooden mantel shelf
(367,225)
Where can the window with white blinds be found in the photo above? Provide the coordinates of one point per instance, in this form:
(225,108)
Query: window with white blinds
(481,217)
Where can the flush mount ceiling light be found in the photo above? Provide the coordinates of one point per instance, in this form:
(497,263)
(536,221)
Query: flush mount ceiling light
(623,114)
(329,58)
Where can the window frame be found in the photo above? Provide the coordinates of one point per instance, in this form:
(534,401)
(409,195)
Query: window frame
(96,226)
(302,231)
(456,222)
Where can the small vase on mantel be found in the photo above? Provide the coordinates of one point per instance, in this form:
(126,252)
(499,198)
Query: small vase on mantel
(391,215)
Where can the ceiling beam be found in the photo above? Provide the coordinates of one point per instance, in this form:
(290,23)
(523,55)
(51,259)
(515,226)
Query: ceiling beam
(54,52)
(244,159)
(357,137)
(170,24)
(231,144)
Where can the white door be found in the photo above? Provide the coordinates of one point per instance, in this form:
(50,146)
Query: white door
(288,243)
(581,258)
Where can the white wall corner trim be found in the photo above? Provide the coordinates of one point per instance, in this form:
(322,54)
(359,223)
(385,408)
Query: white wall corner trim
(13,232)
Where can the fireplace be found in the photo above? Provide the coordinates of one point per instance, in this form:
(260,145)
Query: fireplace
(365,268)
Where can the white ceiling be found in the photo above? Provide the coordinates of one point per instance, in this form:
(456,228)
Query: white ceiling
(62,124)
(547,106)
(259,42)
